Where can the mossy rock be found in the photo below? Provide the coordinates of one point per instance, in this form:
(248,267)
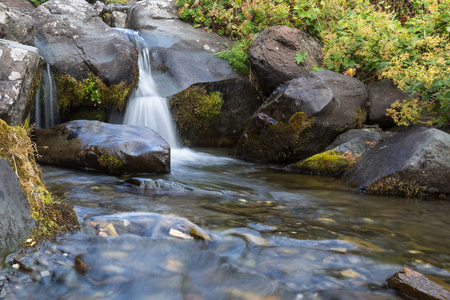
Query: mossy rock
(328,163)
(51,216)
(111,164)
(87,113)
(277,142)
(396,186)
(193,110)
(90,93)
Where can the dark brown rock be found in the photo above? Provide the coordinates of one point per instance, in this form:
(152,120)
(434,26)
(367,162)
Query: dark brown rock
(381,96)
(417,160)
(418,286)
(303,118)
(272,56)
(108,147)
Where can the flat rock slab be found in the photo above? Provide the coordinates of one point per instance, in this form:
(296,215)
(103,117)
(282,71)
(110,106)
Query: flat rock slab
(418,286)
(108,147)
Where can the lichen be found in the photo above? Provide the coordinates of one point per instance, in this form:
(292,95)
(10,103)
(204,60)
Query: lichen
(194,109)
(111,164)
(90,92)
(328,163)
(395,186)
(277,142)
(51,216)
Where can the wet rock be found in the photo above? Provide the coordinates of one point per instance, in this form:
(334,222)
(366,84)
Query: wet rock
(108,147)
(303,117)
(159,184)
(150,225)
(118,19)
(15,25)
(418,286)
(411,163)
(19,79)
(15,220)
(272,56)
(357,141)
(381,96)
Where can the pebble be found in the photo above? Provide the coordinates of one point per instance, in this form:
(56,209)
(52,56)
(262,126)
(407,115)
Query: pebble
(45,273)
(16,266)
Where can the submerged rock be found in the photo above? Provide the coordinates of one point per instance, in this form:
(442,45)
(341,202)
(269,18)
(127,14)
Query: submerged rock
(19,80)
(272,56)
(411,163)
(108,147)
(159,184)
(415,285)
(303,117)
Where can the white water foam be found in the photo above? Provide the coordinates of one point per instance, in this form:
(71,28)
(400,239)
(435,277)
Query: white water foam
(146,108)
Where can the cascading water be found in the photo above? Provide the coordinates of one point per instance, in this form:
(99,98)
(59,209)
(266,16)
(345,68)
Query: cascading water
(146,107)
(46,105)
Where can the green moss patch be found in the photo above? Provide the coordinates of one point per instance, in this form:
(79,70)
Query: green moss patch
(111,164)
(277,142)
(395,186)
(51,216)
(328,163)
(194,109)
(91,92)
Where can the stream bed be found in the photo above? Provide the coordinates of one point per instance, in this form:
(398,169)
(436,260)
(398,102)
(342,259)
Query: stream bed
(242,231)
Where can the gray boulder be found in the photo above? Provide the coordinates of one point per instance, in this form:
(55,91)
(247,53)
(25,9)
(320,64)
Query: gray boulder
(411,163)
(381,96)
(272,56)
(16,26)
(15,212)
(357,141)
(19,78)
(23,5)
(108,147)
(118,19)
(75,41)
(303,117)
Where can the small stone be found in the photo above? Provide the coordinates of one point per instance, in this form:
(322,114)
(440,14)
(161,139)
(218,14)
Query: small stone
(242,200)
(16,266)
(415,252)
(350,273)
(45,273)
(339,250)
(327,220)
(65,254)
(177,233)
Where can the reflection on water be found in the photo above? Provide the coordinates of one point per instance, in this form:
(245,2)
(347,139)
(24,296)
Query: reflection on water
(273,235)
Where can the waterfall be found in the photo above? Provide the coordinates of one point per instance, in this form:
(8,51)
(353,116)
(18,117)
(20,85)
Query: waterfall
(146,107)
(46,105)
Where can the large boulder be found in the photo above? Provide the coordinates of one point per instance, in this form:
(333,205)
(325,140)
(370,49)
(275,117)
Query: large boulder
(382,94)
(410,163)
(414,285)
(272,56)
(15,212)
(24,5)
(108,147)
(303,117)
(94,65)
(16,26)
(19,80)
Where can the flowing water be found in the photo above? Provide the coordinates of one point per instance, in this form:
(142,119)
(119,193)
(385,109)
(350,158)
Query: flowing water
(220,228)
(46,103)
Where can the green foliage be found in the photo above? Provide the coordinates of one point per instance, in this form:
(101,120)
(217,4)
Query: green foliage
(301,56)
(38,2)
(237,56)
(407,41)
(92,90)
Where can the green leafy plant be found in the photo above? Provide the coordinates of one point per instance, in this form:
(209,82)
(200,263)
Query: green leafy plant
(92,90)
(38,2)
(237,56)
(301,56)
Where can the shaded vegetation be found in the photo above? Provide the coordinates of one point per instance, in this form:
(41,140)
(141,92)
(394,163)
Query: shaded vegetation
(406,41)
(51,216)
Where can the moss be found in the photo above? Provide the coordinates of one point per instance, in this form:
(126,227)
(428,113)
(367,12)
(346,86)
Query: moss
(328,163)
(106,17)
(51,216)
(117,1)
(91,92)
(277,142)
(360,118)
(111,164)
(35,84)
(194,110)
(395,186)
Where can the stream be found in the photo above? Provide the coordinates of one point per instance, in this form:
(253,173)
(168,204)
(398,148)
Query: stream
(273,235)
